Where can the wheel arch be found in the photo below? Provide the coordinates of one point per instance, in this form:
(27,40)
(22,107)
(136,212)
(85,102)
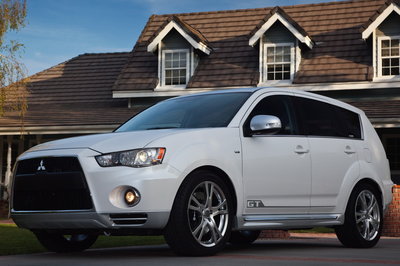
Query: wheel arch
(220,173)
(372,183)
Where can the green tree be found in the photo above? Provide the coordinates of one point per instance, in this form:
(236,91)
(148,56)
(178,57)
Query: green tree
(12,71)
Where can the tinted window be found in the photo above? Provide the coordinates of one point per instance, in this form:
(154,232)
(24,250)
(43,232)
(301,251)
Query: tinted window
(208,110)
(279,106)
(323,119)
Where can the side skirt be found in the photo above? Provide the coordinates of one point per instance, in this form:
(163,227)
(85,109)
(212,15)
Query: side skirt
(294,221)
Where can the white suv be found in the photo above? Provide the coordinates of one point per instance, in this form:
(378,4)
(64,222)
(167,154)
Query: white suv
(207,169)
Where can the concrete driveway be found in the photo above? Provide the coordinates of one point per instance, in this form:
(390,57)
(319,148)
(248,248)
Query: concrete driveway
(314,251)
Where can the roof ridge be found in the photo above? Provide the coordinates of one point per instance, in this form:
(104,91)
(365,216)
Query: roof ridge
(127,52)
(260,8)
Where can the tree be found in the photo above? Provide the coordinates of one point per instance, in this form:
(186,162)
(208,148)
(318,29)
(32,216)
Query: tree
(12,72)
(13,91)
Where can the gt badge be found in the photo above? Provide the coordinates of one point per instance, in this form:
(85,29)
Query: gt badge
(255,204)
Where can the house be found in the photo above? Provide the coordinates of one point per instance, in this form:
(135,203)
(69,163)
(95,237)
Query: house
(347,50)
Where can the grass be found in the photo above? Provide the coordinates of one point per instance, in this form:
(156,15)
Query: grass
(14,240)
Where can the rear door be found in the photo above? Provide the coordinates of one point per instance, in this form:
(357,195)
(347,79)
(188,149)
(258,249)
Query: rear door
(334,135)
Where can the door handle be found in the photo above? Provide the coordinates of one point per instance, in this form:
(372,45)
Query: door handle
(301,150)
(349,150)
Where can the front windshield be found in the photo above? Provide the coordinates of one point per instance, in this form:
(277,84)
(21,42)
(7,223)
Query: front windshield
(200,111)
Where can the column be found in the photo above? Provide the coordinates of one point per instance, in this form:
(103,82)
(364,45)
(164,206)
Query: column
(9,166)
(1,167)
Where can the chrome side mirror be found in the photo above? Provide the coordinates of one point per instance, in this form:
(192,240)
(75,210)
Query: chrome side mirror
(265,124)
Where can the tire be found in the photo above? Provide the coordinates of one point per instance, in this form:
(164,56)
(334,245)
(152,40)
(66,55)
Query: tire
(243,238)
(199,226)
(58,242)
(363,222)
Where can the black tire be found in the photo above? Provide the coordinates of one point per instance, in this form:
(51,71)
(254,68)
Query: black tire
(58,242)
(363,222)
(198,227)
(243,238)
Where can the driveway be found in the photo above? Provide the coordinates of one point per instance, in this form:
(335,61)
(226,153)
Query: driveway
(312,251)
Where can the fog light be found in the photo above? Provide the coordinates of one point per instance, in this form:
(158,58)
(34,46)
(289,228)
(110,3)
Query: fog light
(131,197)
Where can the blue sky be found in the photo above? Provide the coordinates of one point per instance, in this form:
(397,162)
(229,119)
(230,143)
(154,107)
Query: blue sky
(58,30)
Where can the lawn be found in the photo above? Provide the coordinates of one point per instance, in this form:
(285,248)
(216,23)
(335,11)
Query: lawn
(14,240)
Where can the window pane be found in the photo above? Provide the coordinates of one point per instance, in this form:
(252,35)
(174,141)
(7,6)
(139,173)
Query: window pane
(395,43)
(182,80)
(395,51)
(394,62)
(385,52)
(394,71)
(270,76)
(182,73)
(270,50)
(168,63)
(270,59)
(176,57)
(385,71)
(175,80)
(182,62)
(385,43)
(168,81)
(278,68)
(318,118)
(286,67)
(279,58)
(168,56)
(168,73)
(386,62)
(278,106)
(175,64)
(286,58)
(287,50)
(278,76)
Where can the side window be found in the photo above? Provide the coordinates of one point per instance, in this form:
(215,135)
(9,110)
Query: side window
(350,123)
(323,119)
(279,106)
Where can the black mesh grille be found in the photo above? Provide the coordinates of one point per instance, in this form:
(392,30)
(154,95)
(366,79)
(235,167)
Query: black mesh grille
(51,183)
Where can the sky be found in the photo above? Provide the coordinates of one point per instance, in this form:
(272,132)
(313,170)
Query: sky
(58,30)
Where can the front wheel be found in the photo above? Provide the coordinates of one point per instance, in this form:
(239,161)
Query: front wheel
(58,242)
(363,218)
(201,218)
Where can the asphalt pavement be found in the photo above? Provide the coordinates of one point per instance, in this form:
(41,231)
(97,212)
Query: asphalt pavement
(301,251)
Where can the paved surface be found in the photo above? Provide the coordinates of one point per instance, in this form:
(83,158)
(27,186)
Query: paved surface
(309,251)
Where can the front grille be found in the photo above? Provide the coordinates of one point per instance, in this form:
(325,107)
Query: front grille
(128,218)
(50,183)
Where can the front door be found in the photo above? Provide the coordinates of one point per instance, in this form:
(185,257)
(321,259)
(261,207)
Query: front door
(276,168)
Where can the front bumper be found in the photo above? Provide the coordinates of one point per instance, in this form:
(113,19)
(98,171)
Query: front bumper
(157,186)
(89,220)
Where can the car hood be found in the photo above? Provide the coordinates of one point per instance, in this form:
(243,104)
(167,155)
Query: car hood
(109,142)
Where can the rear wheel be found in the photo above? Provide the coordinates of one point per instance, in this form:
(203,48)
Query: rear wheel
(58,242)
(245,237)
(201,218)
(363,218)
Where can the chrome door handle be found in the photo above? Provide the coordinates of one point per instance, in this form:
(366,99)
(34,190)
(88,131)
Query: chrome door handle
(300,150)
(349,150)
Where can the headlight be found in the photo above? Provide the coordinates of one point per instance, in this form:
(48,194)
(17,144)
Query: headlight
(132,158)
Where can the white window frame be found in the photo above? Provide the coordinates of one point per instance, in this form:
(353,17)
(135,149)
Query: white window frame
(293,49)
(379,57)
(189,67)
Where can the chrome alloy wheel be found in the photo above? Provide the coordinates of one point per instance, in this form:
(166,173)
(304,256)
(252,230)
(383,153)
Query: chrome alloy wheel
(208,213)
(367,213)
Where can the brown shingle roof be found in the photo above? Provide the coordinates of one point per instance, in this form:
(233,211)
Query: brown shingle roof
(76,92)
(339,55)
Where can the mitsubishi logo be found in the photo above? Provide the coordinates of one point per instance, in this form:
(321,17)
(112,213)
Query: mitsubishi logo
(41,166)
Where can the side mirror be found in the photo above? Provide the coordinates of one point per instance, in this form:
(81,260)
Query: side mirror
(265,125)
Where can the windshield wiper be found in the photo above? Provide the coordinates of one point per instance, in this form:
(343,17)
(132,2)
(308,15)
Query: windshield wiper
(151,128)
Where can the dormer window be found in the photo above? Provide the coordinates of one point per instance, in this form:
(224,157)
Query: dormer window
(278,37)
(389,56)
(384,27)
(175,67)
(178,45)
(279,61)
